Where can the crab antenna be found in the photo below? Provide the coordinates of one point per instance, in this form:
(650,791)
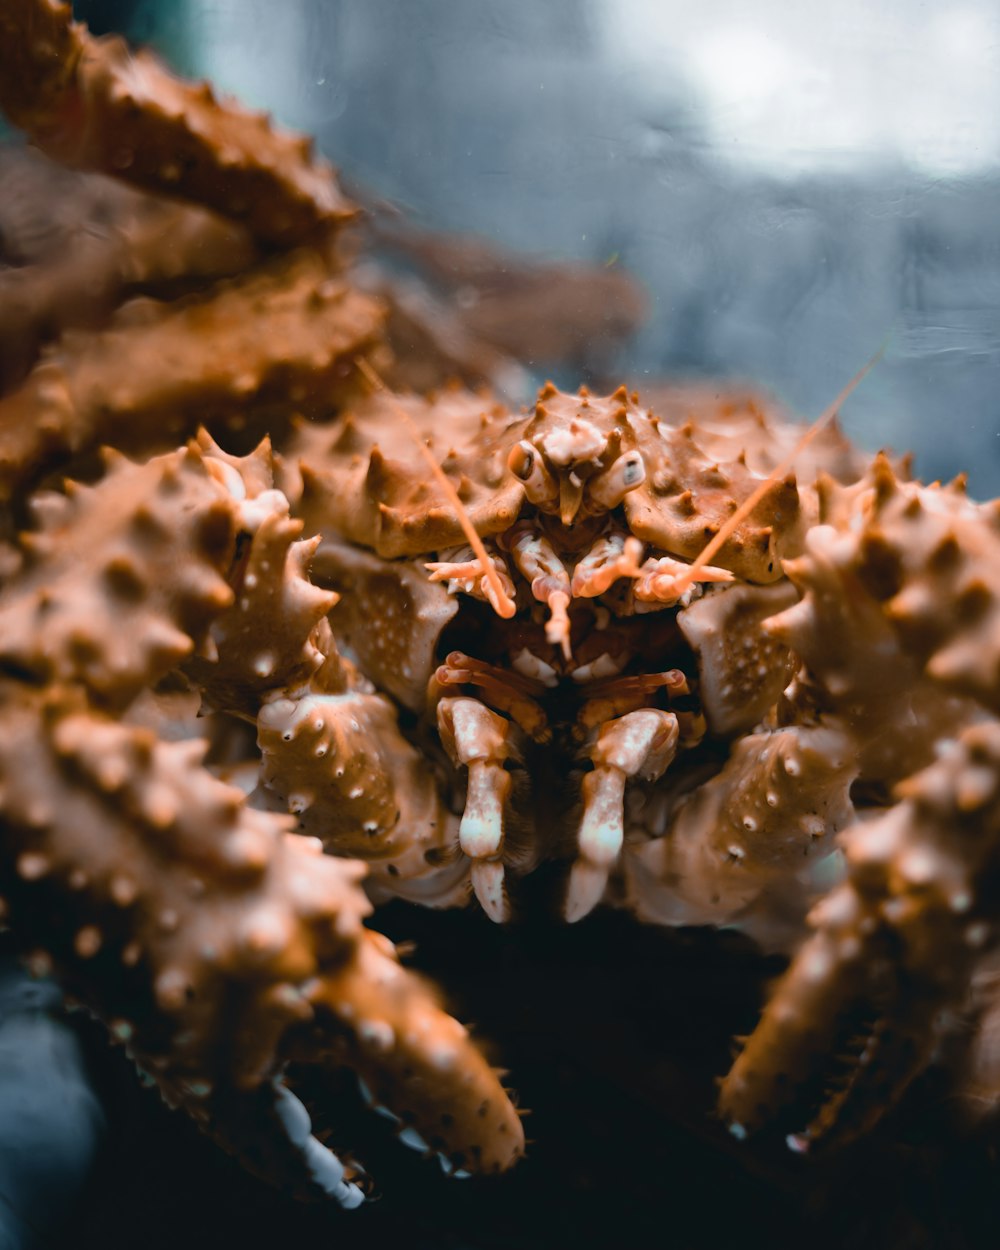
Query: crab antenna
(757,494)
(505,605)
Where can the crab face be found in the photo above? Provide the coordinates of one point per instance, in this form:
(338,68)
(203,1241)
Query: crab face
(572,460)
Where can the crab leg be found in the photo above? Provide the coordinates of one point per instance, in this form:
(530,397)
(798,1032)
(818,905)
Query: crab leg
(219,946)
(638,744)
(903,933)
(96,104)
(480,739)
(615,696)
(285,333)
(337,760)
(750,840)
(506,689)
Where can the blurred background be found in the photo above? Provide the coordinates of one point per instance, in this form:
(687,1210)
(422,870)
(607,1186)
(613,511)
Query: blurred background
(789,184)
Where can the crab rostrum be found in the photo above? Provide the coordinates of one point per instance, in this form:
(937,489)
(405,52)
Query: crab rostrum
(688,661)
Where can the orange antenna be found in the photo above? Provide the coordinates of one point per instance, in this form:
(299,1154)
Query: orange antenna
(757,494)
(505,605)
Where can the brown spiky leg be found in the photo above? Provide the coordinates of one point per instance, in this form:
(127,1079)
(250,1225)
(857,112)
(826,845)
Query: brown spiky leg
(219,947)
(640,744)
(901,937)
(97,104)
(480,740)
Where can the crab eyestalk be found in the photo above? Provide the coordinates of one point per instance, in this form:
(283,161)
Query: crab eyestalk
(626,474)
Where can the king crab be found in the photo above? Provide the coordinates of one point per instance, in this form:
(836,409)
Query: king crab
(696,662)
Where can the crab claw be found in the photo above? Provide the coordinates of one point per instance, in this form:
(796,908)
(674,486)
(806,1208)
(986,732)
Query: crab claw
(414,1059)
(228,947)
(270,1132)
(895,945)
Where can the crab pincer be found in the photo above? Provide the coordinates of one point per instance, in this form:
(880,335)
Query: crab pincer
(900,939)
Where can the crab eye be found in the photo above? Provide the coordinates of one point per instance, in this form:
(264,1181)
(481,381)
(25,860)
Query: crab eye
(627,472)
(521,460)
(526,462)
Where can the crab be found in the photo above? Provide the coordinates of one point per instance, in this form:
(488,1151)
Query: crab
(692,662)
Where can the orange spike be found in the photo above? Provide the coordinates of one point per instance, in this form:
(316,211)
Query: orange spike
(505,605)
(779,470)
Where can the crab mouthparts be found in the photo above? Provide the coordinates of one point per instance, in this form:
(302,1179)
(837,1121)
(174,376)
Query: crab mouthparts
(570,498)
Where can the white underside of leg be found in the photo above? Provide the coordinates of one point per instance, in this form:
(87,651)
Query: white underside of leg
(487,881)
(587,883)
(480,834)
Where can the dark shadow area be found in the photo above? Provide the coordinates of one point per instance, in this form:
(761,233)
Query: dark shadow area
(613,1035)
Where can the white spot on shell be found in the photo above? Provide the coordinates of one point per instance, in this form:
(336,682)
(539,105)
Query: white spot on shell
(919,866)
(442,1057)
(976,934)
(32,866)
(87,941)
(817,965)
(377,1034)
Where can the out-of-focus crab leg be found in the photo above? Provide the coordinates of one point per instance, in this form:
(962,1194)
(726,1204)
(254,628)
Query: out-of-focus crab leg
(74,277)
(219,947)
(903,934)
(416,1060)
(96,104)
(283,335)
(480,740)
(639,744)
(124,579)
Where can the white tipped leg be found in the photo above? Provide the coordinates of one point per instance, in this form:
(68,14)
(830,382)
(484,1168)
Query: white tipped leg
(488,883)
(599,841)
(477,737)
(639,744)
(481,833)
